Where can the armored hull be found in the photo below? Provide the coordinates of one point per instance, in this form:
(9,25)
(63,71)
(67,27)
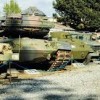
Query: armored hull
(56,53)
(79,49)
(91,39)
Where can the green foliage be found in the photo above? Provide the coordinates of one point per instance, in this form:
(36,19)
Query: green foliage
(55,15)
(80,14)
(12,7)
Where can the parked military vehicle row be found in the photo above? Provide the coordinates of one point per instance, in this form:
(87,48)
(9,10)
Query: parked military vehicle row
(61,48)
(58,49)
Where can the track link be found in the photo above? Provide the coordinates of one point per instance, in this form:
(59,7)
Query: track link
(61,60)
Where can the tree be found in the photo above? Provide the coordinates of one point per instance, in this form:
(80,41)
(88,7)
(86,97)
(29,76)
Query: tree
(54,15)
(80,14)
(12,7)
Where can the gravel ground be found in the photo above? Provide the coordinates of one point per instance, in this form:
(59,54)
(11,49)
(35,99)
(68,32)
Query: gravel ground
(79,84)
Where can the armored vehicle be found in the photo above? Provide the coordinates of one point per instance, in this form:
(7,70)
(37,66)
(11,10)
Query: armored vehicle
(91,39)
(32,22)
(38,50)
(80,50)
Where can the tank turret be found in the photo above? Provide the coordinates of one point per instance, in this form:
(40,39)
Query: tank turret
(32,22)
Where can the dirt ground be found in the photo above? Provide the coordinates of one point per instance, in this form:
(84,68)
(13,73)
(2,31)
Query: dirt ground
(76,84)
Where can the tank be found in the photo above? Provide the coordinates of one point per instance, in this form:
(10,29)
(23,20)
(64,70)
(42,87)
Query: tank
(37,51)
(32,22)
(80,50)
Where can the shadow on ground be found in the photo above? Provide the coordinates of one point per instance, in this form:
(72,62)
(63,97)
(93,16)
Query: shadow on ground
(70,97)
(35,89)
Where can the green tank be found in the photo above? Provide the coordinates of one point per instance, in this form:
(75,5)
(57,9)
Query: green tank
(56,53)
(80,50)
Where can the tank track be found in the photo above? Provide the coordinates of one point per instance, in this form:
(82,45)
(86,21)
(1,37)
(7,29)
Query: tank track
(61,60)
